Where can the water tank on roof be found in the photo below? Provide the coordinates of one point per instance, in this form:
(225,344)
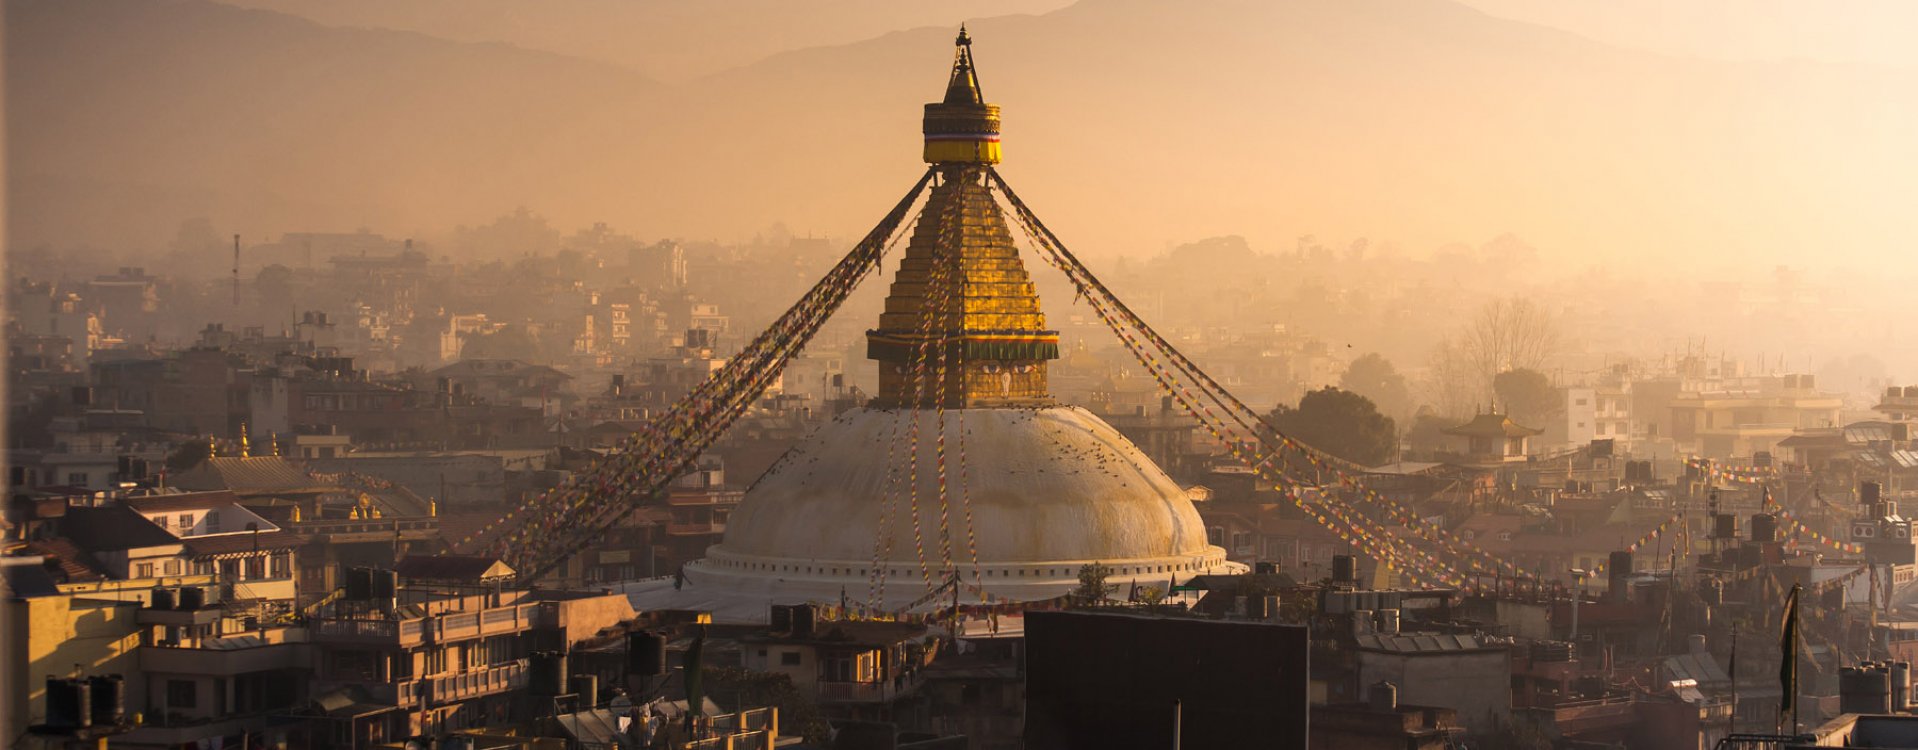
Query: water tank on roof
(804,617)
(108,702)
(192,598)
(69,704)
(546,675)
(1345,569)
(1724,526)
(385,584)
(645,653)
(163,599)
(359,584)
(1764,528)
(1864,690)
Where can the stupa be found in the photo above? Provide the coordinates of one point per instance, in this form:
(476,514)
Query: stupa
(1034,490)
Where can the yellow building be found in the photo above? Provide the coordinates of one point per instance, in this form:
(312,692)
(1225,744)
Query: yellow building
(47,632)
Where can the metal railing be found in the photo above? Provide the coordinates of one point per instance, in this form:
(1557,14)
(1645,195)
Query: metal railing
(486,681)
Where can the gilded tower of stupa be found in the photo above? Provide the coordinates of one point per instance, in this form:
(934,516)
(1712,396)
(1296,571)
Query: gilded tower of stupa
(981,304)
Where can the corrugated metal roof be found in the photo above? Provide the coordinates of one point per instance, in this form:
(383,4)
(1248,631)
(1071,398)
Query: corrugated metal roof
(1866,434)
(1419,643)
(1700,667)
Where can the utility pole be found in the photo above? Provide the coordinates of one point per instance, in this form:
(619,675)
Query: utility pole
(236,270)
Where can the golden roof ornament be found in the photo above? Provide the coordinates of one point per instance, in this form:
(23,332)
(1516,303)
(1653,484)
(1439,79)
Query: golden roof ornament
(962,128)
(246,448)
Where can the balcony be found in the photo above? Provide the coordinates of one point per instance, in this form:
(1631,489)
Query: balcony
(885,691)
(443,628)
(455,626)
(475,683)
(399,633)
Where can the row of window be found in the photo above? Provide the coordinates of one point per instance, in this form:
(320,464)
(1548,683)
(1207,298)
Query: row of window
(276,565)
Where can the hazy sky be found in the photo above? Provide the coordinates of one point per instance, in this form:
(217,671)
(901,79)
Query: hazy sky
(672,40)
(1883,32)
(1689,132)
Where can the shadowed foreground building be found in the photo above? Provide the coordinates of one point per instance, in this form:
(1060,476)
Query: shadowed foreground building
(1111,679)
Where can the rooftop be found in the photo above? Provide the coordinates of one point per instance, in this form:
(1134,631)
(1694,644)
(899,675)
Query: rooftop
(1492,425)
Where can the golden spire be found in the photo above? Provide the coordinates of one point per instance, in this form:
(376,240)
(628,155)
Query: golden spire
(961,287)
(963,86)
(963,128)
(246,448)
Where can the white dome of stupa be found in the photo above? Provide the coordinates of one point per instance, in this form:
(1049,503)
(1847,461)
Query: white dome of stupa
(1050,489)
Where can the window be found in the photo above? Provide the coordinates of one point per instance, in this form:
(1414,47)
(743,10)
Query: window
(789,658)
(280,565)
(77,478)
(212,521)
(182,694)
(186,522)
(173,567)
(143,570)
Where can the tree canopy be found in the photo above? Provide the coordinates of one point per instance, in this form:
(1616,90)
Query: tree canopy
(1342,423)
(1374,377)
(1527,396)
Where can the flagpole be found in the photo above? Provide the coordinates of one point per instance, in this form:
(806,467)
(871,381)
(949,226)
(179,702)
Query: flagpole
(1733,729)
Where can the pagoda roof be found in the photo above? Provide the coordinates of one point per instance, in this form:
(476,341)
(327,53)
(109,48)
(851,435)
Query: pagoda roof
(1492,425)
(246,474)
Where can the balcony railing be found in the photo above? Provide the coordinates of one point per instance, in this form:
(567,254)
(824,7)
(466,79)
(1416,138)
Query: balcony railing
(884,691)
(451,626)
(487,681)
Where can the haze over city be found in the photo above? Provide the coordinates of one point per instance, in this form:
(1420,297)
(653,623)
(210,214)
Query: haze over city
(876,374)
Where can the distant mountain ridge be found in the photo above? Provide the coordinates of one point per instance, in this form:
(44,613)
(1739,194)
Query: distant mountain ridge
(1130,124)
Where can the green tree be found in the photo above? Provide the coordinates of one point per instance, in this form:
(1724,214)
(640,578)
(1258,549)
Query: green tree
(1374,377)
(1527,396)
(1093,587)
(1342,423)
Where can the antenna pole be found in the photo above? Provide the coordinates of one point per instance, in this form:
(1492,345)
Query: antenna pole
(236,270)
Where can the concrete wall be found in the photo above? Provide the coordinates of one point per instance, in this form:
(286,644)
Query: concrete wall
(65,634)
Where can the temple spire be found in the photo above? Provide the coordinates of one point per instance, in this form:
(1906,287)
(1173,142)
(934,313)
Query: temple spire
(962,128)
(963,87)
(962,325)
